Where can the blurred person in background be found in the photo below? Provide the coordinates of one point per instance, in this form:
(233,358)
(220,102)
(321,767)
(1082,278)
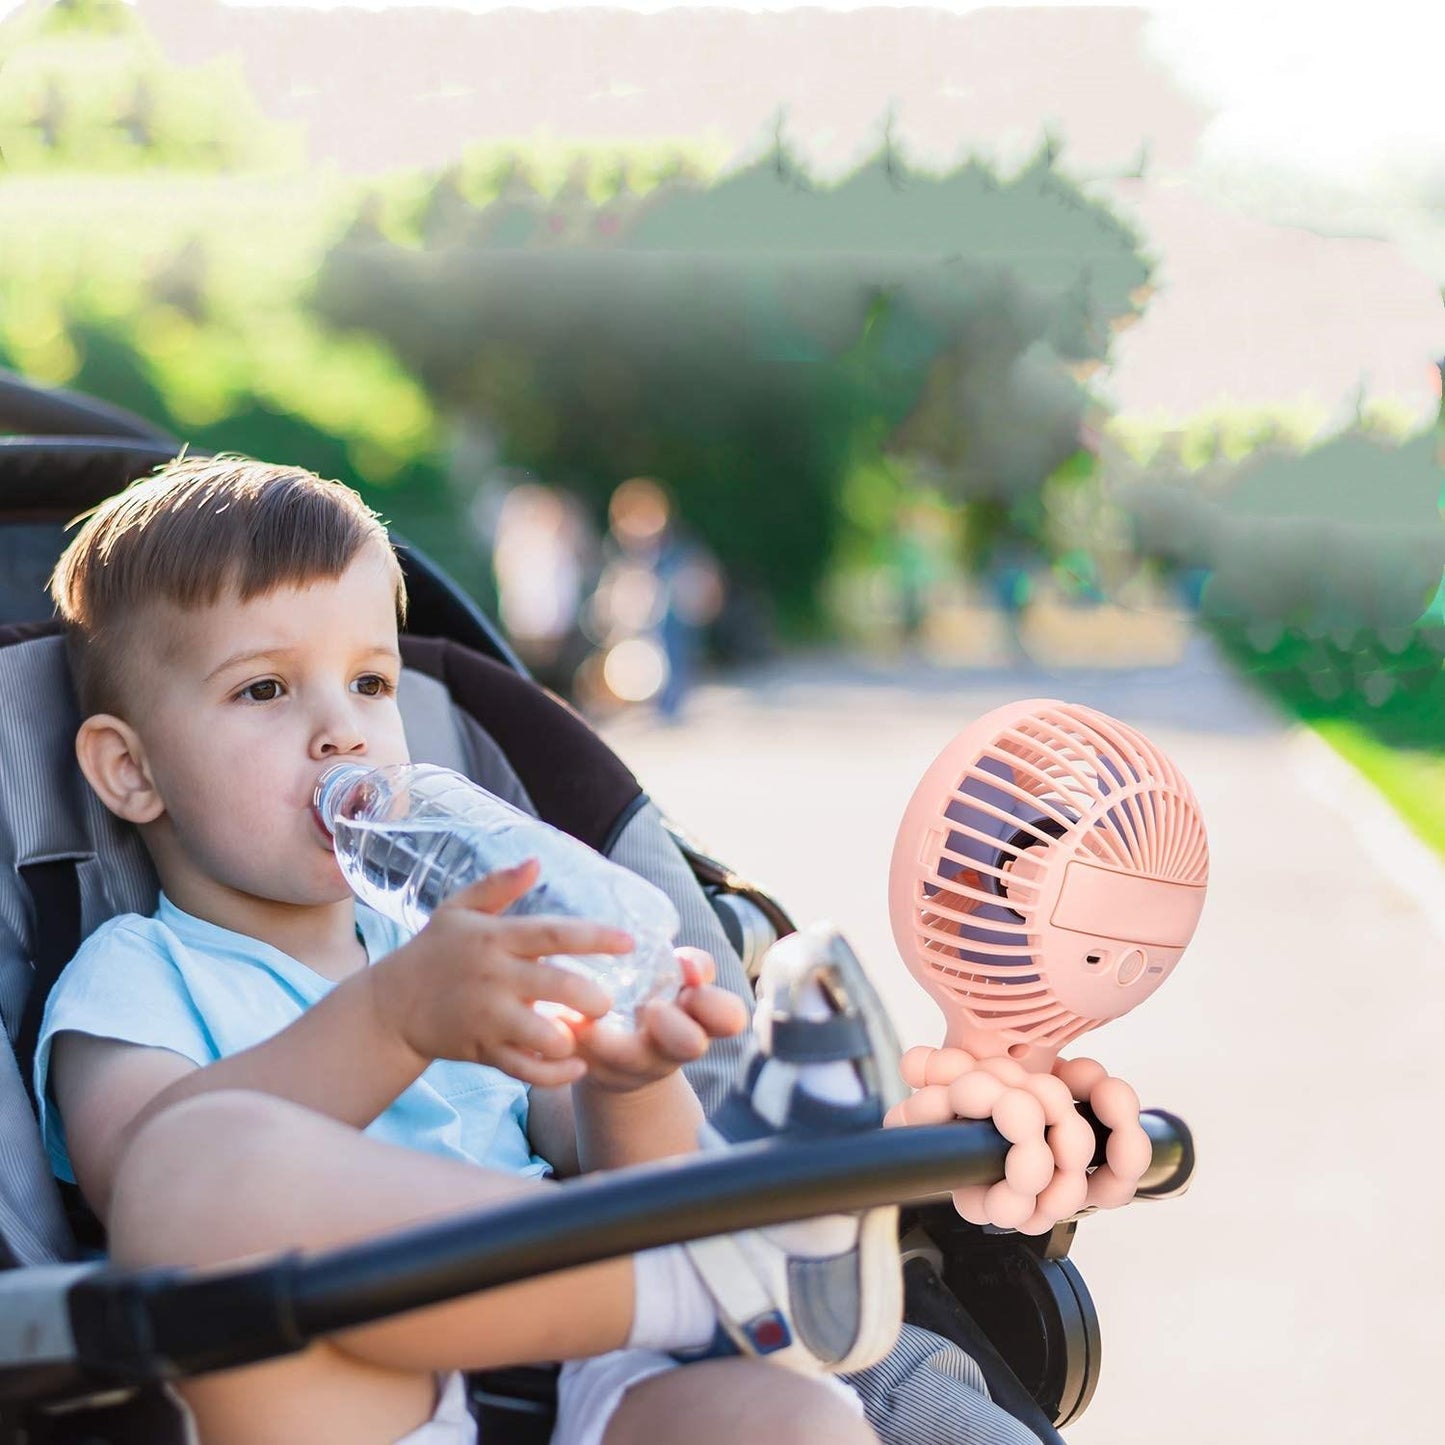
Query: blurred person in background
(918,561)
(1010,575)
(542,557)
(659,590)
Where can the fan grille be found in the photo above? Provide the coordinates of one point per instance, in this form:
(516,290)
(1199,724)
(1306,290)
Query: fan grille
(1060,777)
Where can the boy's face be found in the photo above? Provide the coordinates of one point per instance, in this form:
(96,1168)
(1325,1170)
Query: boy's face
(247,705)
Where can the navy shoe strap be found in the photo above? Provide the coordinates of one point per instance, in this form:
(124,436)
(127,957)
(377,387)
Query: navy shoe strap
(839,1039)
(739,1122)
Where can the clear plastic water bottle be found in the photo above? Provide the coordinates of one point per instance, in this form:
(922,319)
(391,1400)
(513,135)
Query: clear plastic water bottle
(409,836)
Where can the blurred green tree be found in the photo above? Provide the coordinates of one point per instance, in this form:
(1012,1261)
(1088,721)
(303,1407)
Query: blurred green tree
(756,341)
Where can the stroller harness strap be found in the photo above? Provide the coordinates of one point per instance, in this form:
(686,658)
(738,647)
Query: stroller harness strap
(54,888)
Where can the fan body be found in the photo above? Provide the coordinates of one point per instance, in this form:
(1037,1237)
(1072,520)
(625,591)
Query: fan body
(1048,872)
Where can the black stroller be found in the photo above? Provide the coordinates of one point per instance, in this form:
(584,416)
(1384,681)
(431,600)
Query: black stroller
(85,1350)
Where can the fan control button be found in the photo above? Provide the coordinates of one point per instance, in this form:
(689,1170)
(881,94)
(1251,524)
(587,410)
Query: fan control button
(1131,964)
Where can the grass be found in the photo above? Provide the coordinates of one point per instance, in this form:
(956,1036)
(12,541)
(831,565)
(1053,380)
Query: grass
(1411,780)
(1380,707)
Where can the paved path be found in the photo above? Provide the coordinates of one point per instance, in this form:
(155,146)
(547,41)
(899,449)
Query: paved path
(1295,1293)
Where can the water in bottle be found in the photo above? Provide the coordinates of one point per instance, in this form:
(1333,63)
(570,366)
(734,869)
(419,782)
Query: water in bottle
(409,836)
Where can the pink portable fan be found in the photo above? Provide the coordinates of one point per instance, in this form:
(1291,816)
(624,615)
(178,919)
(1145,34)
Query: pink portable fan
(1049,871)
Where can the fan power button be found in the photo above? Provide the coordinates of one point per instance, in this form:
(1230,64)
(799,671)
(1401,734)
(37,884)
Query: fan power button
(1131,964)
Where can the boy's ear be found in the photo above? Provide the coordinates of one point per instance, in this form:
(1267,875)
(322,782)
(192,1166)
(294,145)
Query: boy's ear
(113,761)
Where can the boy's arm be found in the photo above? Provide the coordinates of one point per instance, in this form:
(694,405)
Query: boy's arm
(584,1128)
(340,1058)
(462,989)
(635,1105)
(615,1129)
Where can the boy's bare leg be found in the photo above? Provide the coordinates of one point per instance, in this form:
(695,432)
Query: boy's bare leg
(286,1176)
(724,1401)
(276,1176)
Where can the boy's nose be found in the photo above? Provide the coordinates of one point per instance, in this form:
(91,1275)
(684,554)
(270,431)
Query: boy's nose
(336,736)
(332,746)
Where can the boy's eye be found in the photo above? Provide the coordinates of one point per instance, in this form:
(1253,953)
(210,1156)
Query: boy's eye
(373,685)
(267,690)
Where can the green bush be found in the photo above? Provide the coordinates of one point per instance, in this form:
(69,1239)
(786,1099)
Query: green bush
(769,347)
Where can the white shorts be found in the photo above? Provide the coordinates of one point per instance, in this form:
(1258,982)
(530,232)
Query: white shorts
(588,1394)
(452,1422)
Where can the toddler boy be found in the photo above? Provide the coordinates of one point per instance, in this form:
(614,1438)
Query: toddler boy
(265,1063)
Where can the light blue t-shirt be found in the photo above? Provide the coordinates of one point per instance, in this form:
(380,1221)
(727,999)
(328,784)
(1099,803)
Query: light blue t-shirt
(176,982)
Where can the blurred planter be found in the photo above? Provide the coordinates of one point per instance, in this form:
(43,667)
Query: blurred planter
(1144,629)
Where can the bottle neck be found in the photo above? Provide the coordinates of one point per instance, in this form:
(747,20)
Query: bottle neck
(332,787)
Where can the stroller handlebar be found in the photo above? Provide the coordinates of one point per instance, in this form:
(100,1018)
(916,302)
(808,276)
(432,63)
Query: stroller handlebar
(131,1327)
(1171,1165)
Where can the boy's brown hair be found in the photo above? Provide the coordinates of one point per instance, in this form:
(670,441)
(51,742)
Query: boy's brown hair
(198,528)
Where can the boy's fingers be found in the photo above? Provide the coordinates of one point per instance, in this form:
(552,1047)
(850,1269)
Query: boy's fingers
(674,1034)
(535,1034)
(698,966)
(541,1073)
(720,1013)
(552,983)
(497,891)
(538,937)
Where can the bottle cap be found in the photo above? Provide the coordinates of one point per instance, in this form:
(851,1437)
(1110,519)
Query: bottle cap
(331,787)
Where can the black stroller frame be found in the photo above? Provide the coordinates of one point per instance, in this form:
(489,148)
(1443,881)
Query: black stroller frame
(85,1347)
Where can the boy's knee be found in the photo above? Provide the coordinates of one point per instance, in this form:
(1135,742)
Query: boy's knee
(803,1410)
(819,1416)
(729,1400)
(184,1171)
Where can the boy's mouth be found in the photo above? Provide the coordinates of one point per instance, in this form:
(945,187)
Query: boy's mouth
(322,836)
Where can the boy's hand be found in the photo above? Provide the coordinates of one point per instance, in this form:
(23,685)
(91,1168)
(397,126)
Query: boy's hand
(464,987)
(667,1036)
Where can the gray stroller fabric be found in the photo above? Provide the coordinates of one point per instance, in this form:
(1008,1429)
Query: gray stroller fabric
(32,1222)
(927,1391)
(46,813)
(645,847)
